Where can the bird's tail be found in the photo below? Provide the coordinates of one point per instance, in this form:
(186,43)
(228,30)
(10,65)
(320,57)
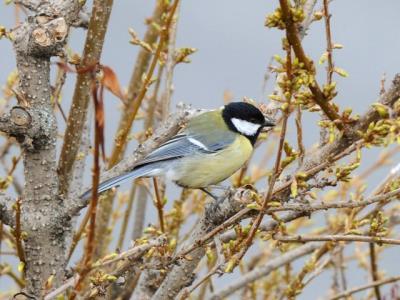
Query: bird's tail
(142,171)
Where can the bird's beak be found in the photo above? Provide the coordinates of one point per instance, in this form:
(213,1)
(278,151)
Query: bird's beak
(268,124)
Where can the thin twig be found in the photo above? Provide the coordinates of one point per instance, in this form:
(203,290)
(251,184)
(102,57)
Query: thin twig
(365,287)
(170,67)
(140,212)
(159,205)
(127,215)
(336,238)
(60,80)
(297,283)
(294,40)
(299,129)
(132,254)
(374,269)
(135,97)
(77,235)
(90,244)
(339,204)
(318,270)
(277,167)
(263,271)
(123,134)
(18,231)
(216,269)
(327,18)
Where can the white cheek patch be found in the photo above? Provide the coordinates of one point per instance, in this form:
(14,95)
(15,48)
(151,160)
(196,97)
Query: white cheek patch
(245,127)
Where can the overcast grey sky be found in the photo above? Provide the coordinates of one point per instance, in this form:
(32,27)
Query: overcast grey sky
(234,49)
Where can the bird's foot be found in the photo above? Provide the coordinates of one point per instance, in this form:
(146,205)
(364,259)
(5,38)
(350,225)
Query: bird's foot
(209,193)
(219,199)
(218,187)
(214,208)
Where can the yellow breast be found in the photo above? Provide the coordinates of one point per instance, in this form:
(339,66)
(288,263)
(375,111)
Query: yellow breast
(209,169)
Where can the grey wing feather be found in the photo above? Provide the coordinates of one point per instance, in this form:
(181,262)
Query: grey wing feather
(179,146)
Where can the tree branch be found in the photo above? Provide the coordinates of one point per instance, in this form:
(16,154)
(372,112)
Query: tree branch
(130,256)
(80,103)
(135,99)
(32,5)
(294,40)
(265,270)
(181,274)
(352,291)
(41,36)
(340,204)
(336,238)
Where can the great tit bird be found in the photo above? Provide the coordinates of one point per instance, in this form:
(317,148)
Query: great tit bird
(213,146)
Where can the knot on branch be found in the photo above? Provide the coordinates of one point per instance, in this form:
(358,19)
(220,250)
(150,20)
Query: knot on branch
(47,36)
(17,122)
(20,117)
(27,125)
(49,32)
(45,33)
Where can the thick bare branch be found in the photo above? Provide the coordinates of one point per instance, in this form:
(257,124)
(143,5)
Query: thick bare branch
(80,102)
(40,37)
(29,4)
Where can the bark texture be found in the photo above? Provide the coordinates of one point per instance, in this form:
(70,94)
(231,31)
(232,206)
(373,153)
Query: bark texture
(43,217)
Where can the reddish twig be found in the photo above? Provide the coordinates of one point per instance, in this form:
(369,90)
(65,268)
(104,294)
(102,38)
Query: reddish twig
(159,205)
(77,235)
(327,18)
(18,232)
(294,40)
(97,95)
(123,134)
(277,168)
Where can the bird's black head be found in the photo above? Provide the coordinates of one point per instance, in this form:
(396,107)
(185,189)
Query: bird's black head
(245,119)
